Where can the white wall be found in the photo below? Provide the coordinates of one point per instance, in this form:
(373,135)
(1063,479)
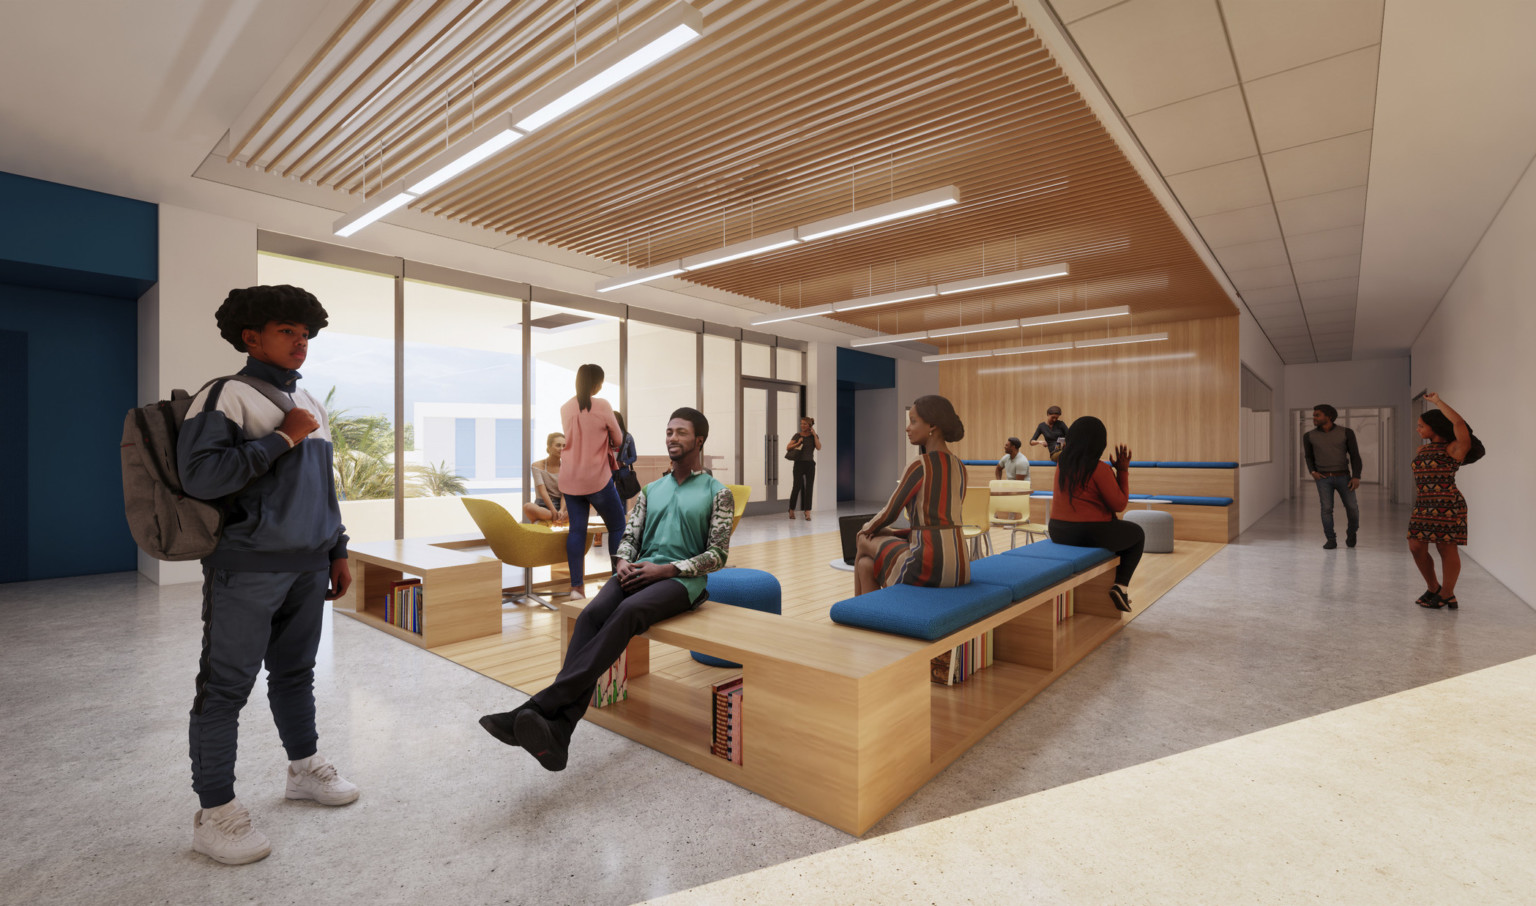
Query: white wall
(913,379)
(1371,382)
(1476,353)
(202,257)
(1261,487)
(821,404)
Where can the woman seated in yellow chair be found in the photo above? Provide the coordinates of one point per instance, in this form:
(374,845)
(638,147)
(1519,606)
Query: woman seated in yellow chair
(547,506)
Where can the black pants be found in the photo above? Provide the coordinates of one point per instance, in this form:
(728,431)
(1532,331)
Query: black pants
(602,631)
(1124,538)
(805,480)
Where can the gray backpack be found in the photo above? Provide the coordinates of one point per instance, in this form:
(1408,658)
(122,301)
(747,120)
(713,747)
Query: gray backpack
(165,522)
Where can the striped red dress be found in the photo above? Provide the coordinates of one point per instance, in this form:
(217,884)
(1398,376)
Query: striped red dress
(932,552)
(1439,510)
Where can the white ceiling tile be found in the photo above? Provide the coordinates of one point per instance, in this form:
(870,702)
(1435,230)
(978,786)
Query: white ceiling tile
(1326,268)
(1149,53)
(1322,100)
(1200,132)
(1331,304)
(1224,187)
(1070,11)
(1312,169)
(1269,253)
(1261,277)
(1324,289)
(1326,244)
(1253,224)
(1271,296)
(1329,211)
(1268,36)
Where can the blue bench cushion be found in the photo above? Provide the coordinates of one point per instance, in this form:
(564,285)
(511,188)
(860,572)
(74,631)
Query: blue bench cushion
(1022,576)
(1187,500)
(1161,464)
(1079,558)
(753,589)
(922,613)
(1144,464)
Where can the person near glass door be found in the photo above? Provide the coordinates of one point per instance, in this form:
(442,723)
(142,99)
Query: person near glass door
(802,449)
(592,435)
(1333,458)
(1439,511)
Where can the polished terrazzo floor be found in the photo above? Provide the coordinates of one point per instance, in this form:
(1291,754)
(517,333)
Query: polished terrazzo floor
(1270,715)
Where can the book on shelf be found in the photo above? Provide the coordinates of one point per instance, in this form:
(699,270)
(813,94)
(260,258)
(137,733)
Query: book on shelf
(613,686)
(963,661)
(402,605)
(726,735)
(1064,605)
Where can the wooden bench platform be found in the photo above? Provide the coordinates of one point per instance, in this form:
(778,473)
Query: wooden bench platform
(843,724)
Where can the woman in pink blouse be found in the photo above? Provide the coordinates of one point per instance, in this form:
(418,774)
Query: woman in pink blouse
(586,470)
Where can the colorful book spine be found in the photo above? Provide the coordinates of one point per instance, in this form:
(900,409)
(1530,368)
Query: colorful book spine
(726,735)
(964,660)
(613,687)
(402,605)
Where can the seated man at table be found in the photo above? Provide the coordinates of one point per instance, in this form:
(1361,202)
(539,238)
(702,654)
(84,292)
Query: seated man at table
(678,531)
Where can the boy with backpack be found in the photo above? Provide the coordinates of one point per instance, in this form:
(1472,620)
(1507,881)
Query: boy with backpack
(281,554)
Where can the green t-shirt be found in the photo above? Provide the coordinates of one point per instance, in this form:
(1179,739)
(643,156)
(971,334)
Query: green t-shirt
(677,523)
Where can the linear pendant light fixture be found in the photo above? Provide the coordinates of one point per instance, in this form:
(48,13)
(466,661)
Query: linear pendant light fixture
(956,286)
(901,207)
(651,41)
(960,330)
(1007,278)
(1046,347)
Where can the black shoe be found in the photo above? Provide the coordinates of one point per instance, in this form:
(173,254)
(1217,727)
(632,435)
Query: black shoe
(1121,599)
(536,735)
(1349,540)
(1331,544)
(503,725)
(1431,600)
(1451,602)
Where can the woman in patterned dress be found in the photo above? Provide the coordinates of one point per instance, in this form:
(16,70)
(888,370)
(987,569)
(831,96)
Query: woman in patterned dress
(932,551)
(1439,511)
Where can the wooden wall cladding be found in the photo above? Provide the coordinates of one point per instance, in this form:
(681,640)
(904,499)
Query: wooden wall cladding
(1171,400)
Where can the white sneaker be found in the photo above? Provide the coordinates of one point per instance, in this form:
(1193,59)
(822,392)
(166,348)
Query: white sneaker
(315,778)
(225,834)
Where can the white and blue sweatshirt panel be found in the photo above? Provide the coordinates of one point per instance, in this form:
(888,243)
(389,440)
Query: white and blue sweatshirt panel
(281,508)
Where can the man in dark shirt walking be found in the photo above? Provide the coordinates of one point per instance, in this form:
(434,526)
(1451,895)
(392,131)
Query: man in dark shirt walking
(1333,458)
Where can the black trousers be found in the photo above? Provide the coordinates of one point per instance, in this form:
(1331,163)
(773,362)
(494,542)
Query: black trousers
(1124,538)
(602,631)
(805,481)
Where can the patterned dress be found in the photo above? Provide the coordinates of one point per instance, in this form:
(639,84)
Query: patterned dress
(932,552)
(1439,510)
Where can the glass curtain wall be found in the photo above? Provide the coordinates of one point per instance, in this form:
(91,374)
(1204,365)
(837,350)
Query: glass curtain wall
(463,406)
(756,360)
(564,339)
(351,369)
(663,376)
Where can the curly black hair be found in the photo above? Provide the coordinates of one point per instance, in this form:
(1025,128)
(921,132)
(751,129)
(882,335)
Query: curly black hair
(254,307)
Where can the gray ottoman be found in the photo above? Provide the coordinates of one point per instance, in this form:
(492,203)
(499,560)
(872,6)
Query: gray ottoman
(1158,526)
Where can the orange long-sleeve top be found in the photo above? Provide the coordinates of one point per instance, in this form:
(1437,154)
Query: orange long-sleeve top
(1106,494)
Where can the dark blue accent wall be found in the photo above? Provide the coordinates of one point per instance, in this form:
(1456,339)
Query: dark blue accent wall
(73,263)
(81,381)
(856,371)
(13,455)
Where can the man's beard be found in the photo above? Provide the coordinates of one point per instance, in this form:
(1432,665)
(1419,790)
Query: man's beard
(681,454)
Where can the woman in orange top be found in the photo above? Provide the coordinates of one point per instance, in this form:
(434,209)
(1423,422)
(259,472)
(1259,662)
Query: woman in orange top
(586,470)
(1087,498)
(932,551)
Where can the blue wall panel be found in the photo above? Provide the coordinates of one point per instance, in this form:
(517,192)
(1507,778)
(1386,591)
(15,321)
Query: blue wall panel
(60,237)
(464,447)
(81,377)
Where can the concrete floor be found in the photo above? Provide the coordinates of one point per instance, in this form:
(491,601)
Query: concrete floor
(97,678)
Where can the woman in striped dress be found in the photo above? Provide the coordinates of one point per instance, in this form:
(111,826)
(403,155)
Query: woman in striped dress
(931,552)
(1439,511)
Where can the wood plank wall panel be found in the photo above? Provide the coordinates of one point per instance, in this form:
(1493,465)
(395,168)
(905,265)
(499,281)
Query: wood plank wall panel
(1172,400)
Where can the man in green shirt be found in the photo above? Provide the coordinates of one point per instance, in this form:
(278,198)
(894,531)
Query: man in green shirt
(678,531)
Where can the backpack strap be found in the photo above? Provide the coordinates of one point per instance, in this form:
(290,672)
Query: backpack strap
(283,401)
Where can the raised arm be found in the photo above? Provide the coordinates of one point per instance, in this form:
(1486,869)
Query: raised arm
(1459,448)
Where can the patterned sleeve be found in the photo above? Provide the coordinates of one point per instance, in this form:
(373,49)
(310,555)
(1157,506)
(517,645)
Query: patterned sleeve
(629,545)
(898,502)
(721,515)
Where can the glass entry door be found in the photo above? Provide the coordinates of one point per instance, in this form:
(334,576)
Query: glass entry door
(770,416)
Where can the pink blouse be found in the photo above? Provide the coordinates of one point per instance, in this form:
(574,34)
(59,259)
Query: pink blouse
(589,434)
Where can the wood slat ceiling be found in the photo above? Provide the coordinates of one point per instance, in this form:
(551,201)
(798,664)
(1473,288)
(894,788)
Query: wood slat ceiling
(785,112)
